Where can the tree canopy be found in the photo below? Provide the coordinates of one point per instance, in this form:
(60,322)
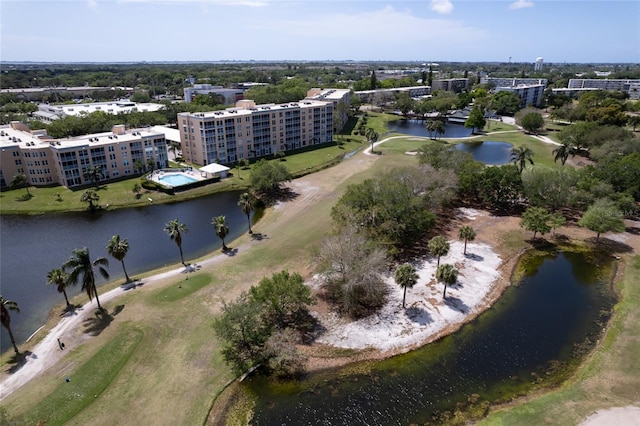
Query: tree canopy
(267,176)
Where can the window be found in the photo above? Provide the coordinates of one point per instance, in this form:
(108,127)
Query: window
(16,153)
(18,162)
(111,148)
(43,154)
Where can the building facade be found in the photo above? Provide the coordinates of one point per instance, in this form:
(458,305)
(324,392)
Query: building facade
(230,96)
(413,91)
(49,113)
(529,94)
(336,97)
(456,85)
(511,81)
(628,86)
(46,161)
(252,131)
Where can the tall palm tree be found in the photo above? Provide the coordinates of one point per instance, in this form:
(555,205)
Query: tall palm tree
(222,229)
(562,153)
(440,128)
(247,207)
(20,181)
(175,230)
(80,265)
(520,156)
(118,249)
(5,318)
(372,136)
(448,274)
(466,233)
(406,276)
(59,278)
(90,196)
(431,127)
(439,246)
(94,174)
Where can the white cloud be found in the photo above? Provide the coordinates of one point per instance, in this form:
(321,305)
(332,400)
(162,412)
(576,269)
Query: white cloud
(520,4)
(443,7)
(92,4)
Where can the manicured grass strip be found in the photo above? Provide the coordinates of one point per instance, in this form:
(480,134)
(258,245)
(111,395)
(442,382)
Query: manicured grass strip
(88,382)
(183,288)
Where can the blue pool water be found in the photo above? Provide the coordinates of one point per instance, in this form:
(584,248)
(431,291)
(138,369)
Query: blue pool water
(177,179)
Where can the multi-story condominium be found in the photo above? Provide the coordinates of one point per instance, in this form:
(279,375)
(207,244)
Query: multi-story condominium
(49,113)
(530,94)
(413,91)
(47,161)
(335,96)
(456,85)
(252,131)
(606,84)
(511,81)
(230,96)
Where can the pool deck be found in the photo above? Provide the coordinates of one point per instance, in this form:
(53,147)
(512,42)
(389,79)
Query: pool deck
(191,173)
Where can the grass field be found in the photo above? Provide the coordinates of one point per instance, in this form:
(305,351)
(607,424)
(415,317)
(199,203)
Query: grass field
(158,362)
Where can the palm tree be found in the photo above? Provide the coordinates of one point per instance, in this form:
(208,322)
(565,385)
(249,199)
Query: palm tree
(175,229)
(372,136)
(562,153)
(59,278)
(406,276)
(222,229)
(448,274)
(118,249)
(20,181)
(520,156)
(94,174)
(439,128)
(245,204)
(466,233)
(431,127)
(80,264)
(90,196)
(439,246)
(5,318)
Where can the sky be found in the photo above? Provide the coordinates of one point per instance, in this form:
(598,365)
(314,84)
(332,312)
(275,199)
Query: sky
(584,31)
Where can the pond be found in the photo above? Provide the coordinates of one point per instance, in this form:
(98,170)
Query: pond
(418,128)
(487,152)
(33,245)
(536,333)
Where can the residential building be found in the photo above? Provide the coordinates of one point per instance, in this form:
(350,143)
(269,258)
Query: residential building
(530,94)
(413,91)
(456,85)
(230,96)
(574,93)
(511,81)
(49,113)
(251,131)
(47,161)
(335,96)
(621,85)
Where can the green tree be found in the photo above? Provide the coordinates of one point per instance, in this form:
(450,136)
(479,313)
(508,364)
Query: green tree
(284,299)
(556,221)
(81,267)
(222,229)
(247,207)
(475,120)
(5,318)
(20,180)
(634,121)
(532,122)
(505,103)
(536,219)
(439,128)
(466,233)
(603,216)
(562,152)
(374,81)
(267,176)
(372,137)
(439,246)
(550,188)
(406,277)
(175,229)
(137,189)
(500,187)
(431,127)
(60,279)
(520,156)
(118,249)
(448,274)
(94,174)
(90,196)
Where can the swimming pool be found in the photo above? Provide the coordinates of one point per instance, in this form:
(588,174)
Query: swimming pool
(176,179)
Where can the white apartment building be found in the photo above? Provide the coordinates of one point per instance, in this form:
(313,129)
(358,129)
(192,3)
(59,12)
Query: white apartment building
(456,85)
(335,96)
(49,113)
(231,96)
(47,161)
(252,131)
(627,86)
(511,81)
(530,94)
(413,91)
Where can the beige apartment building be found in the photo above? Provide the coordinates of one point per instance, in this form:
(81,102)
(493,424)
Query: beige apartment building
(47,161)
(253,131)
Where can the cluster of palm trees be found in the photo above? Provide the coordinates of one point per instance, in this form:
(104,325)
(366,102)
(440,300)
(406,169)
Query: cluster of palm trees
(436,126)
(406,275)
